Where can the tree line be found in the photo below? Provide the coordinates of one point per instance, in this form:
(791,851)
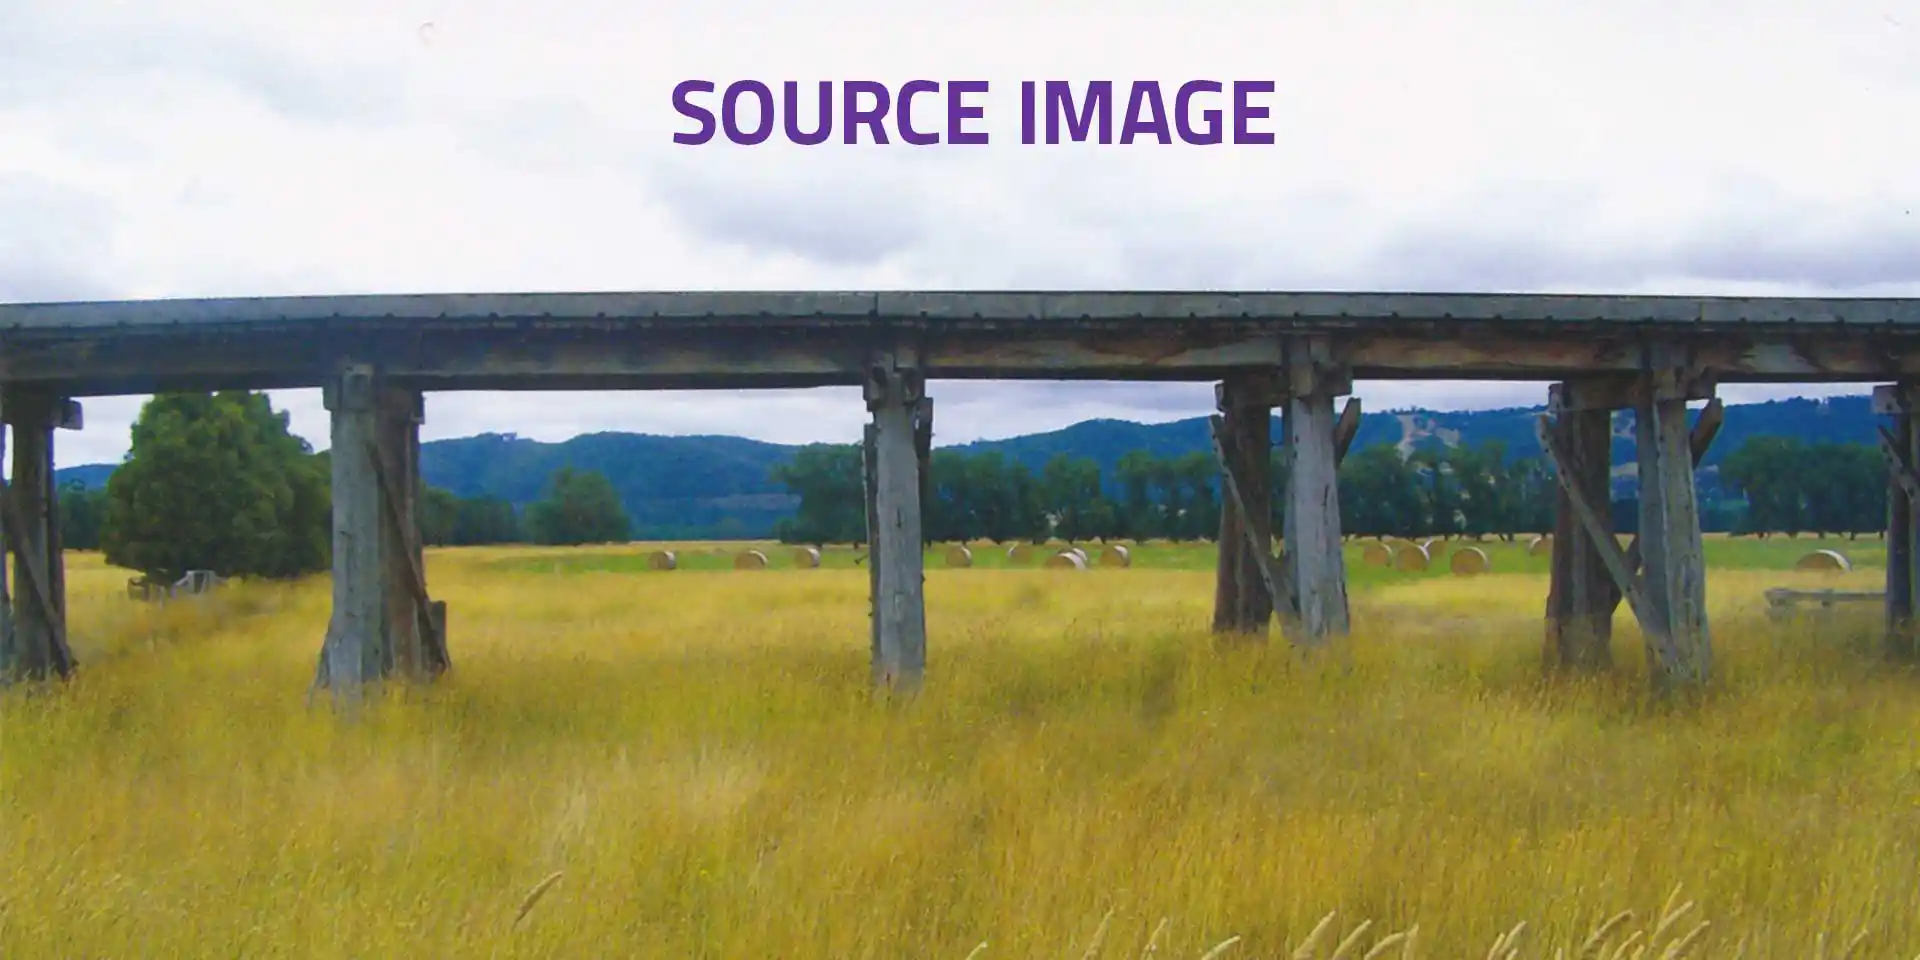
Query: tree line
(1460,490)
(217,481)
(1767,485)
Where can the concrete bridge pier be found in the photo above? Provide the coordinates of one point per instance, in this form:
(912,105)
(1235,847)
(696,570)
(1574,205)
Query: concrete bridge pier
(1901,447)
(384,623)
(895,454)
(1662,574)
(33,612)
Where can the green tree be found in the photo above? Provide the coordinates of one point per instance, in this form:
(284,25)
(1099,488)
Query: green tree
(1770,472)
(1380,495)
(82,513)
(439,516)
(484,520)
(215,481)
(581,507)
(828,479)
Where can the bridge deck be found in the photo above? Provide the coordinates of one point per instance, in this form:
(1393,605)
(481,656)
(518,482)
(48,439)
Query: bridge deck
(545,341)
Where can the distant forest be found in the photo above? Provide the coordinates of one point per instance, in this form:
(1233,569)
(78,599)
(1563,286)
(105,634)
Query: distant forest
(1766,485)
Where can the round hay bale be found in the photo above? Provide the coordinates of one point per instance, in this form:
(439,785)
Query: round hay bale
(1116,555)
(1826,561)
(1376,554)
(1067,560)
(1469,561)
(750,560)
(1411,559)
(1539,545)
(806,557)
(662,560)
(1020,553)
(959,556)
(1436,548)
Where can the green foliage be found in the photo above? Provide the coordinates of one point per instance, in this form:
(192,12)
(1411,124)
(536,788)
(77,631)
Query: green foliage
(216,481)
(82,513)
(447,519)
(1793,487)
(988,496)
(580,507)
(832,495)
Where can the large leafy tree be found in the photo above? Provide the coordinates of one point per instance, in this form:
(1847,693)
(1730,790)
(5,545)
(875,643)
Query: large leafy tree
(216,481)
(581,507)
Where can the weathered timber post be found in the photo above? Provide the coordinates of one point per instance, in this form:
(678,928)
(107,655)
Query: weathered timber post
(1671,549)
(923,451)
(33,628)
(1581,597)
(1901,447)
(1315,563)
(870,487)
(9,657)
(1584,594)
(413,648)
(354,653)
(893,392)
(1662,577)
(1241,604)
(383,623)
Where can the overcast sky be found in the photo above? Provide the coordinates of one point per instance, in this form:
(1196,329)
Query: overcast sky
(399,146)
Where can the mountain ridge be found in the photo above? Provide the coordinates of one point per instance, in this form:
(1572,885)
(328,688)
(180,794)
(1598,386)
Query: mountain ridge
(720,487)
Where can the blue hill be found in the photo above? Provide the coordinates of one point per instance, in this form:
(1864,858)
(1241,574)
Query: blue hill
(719,487)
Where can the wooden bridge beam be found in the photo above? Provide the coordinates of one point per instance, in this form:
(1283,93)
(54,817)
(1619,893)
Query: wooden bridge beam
(1901,446)
(33,618)
(384,624)
(896,397)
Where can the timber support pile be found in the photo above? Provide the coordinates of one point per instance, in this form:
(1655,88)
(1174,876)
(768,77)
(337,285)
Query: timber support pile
(1247,587)
(895,451)
(1662,576)
(1306,585)
(384,623)
(1901,447)
(33,610)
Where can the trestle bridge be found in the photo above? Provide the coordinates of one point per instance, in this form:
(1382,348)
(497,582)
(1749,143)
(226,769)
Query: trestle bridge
(376,357)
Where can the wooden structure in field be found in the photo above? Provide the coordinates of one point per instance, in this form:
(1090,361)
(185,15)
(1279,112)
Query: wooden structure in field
(376,356)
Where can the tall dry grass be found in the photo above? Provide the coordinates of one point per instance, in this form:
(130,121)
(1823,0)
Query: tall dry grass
(689,765)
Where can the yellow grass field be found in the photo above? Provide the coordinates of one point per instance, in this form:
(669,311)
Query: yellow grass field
(696,756)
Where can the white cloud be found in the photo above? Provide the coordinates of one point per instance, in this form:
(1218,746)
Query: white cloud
(219,148)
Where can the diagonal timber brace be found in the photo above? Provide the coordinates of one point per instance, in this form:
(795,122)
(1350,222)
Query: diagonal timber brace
(1566,468)
(1701,440)
(1274,573)
(1898,468)
(1278,589)
(1900,446)
(428,618)
(33,625)
(32,569)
